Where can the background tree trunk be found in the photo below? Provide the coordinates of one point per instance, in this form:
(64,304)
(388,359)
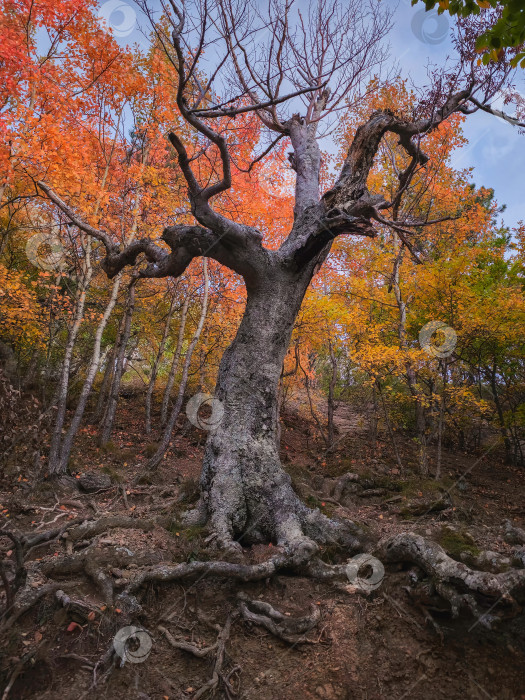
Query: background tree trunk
(67,443)
(55,467)
(501,417)
(111,406)
(166,437)
(156,363)
(107,379)
(175,362)
(411,375)
(331,397)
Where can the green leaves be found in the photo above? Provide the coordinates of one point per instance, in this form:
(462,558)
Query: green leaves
(508,30)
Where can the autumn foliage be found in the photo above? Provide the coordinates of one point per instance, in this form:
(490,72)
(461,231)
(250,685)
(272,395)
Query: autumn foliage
(90,117)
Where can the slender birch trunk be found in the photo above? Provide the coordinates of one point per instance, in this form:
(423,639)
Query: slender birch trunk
(331,399)
(156,363)
(175,411)
(61,403)
(58,461)
(175,362)
(111,407)
(67,443)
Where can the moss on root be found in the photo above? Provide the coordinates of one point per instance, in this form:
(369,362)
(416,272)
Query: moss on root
(455,542)
(412,488)
(112,473)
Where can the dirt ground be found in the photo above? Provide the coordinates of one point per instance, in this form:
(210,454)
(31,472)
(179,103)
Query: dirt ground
(381,645)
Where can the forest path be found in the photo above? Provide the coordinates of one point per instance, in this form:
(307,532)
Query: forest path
(349,421)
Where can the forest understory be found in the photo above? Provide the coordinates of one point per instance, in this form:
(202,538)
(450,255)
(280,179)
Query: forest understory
(286,634)
(259,211)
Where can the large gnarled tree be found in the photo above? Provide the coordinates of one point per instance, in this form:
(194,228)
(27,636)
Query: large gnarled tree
(295,72)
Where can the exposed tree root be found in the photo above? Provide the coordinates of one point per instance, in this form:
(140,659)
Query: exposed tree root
(454,581)
(89,528)
(95,562)
(26,658)
(113,567)
(514,535)
(291,559)
(291,525)
(26,587)
(199,652)
(290,629)
(106,663)
(219,649)
(29,598)
(78,608)
(341,485)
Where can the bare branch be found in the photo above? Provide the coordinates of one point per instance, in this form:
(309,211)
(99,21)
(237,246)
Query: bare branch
(401,232)
(234,111)
(497,113)
(186,243)
(79,223)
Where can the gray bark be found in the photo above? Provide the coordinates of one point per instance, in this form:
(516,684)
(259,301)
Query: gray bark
(331,397)
(111,407)
(175,411)
(454,581)
(67,443)
(63,386)
(246,495)
(155,368)
(175,362)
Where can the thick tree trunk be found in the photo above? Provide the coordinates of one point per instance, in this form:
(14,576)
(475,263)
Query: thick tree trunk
(246,495)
